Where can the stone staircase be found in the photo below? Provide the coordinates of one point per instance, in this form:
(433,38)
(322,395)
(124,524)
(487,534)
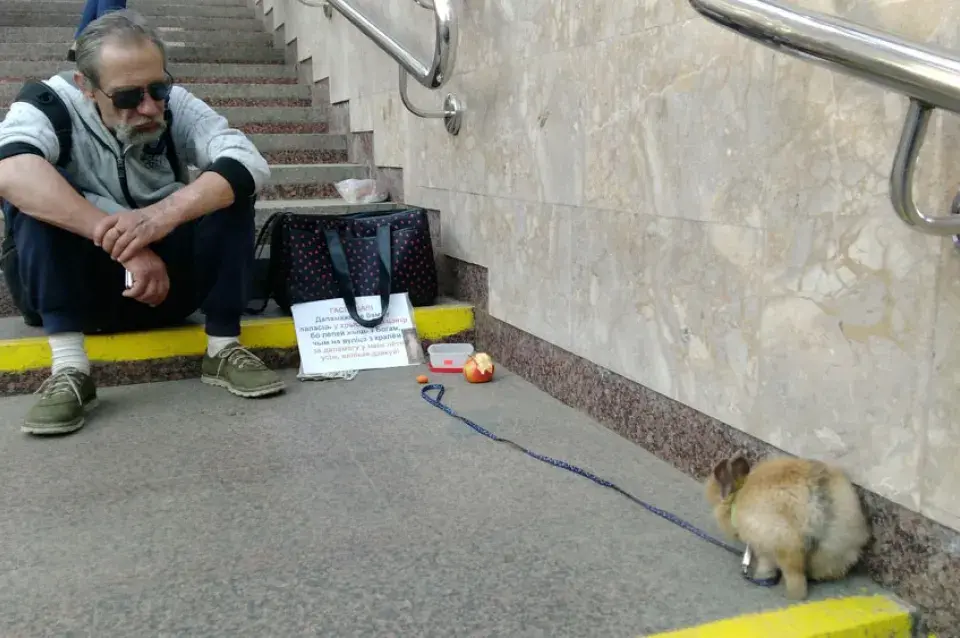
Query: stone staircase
(221,52)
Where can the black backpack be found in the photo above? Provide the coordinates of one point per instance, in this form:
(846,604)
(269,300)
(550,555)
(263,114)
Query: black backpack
(50,104)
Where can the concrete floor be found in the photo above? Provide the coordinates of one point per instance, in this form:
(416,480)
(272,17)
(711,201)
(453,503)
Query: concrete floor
(349,509)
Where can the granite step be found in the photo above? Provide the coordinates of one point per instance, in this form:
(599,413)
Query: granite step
(147,9)
(311,173)
(237,115)
(279,120)
(176,52)
(218,3)
(279,142)
(218,95)
(13,18)
(286,157)
(307,181)
(323,206)
(318,206)
(64,35)
(208,73)
(175,352)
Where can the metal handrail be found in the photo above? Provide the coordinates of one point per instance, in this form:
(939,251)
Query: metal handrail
(928,75)
(432,76)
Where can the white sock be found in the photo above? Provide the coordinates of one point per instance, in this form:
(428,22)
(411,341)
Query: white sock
(216,344)
(68,351)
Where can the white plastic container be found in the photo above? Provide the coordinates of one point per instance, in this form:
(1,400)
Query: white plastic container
(449,357)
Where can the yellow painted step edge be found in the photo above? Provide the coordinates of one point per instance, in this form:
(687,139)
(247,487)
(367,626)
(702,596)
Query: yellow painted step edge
(853,617)
(29,353)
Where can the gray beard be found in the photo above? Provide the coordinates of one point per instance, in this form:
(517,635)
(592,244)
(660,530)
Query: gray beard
(129,135)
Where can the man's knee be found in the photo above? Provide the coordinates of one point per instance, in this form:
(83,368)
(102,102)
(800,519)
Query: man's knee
(31,234)
(236,217)
(227,230)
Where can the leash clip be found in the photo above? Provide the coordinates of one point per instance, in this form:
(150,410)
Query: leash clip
(746,570)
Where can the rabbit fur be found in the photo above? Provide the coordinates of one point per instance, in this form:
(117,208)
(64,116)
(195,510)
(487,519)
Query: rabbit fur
(799,515)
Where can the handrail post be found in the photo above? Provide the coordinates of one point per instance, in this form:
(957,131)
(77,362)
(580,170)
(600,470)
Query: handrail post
(452,112)
(928,76)
(432,77)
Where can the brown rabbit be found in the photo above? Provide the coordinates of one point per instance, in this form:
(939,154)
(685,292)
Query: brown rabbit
(800,515)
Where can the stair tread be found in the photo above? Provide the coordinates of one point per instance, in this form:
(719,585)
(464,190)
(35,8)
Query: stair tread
(272,205)
(207,91)
(259,53)
(262,114)
(299,173)
(64,34)
(179,70)
(14,329)
(147,9)
(32,18)
(289,170)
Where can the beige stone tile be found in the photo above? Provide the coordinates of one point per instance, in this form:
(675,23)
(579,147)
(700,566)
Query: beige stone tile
(531,243)
(716,345)
(505,32)
(612,299)
(522,137)
(845,338)
(440,160)
(389,128)
(672,304)
(850,290)
(473,229)
(940,470)
(431,198)
(458,229)
(677,119)
(900,17)
(588,22)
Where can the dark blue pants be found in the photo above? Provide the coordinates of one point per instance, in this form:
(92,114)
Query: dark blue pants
(76,287)
(93,9)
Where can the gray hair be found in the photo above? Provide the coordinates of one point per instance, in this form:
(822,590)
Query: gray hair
(125,26)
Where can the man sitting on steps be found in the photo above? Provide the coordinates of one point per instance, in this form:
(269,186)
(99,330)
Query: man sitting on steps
(116,204)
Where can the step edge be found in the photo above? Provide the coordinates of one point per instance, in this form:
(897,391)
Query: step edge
(321,202)
(24,354)
(854,616)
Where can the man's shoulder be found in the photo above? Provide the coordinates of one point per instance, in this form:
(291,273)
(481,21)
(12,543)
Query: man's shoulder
(62,86)
(181,99)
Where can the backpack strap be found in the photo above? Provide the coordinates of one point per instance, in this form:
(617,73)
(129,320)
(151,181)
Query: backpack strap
(171,148)
(44,98)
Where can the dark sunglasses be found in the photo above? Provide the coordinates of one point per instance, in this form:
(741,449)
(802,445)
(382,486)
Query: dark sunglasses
(126,99)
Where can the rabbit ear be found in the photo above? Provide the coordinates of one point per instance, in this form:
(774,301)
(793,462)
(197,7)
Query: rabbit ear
(724,477)
(740,467)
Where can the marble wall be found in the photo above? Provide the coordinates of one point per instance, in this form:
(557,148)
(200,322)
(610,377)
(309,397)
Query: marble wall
(691,210)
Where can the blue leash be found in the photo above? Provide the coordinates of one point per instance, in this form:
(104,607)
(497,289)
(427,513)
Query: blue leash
(438,403)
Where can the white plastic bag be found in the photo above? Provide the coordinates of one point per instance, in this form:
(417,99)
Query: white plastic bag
(360,191)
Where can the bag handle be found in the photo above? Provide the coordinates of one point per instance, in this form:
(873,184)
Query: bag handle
(341,271)
(263,238)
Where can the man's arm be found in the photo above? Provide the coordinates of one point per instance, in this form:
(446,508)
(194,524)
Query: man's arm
(233,168)
(28,179)
(209,192)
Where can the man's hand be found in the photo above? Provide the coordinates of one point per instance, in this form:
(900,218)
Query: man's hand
(150,280)
(126,234)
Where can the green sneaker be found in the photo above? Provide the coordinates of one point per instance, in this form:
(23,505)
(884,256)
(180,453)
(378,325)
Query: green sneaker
(241,372)
(64,398)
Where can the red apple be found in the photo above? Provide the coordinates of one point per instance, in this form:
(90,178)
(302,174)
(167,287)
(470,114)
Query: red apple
(478,368)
